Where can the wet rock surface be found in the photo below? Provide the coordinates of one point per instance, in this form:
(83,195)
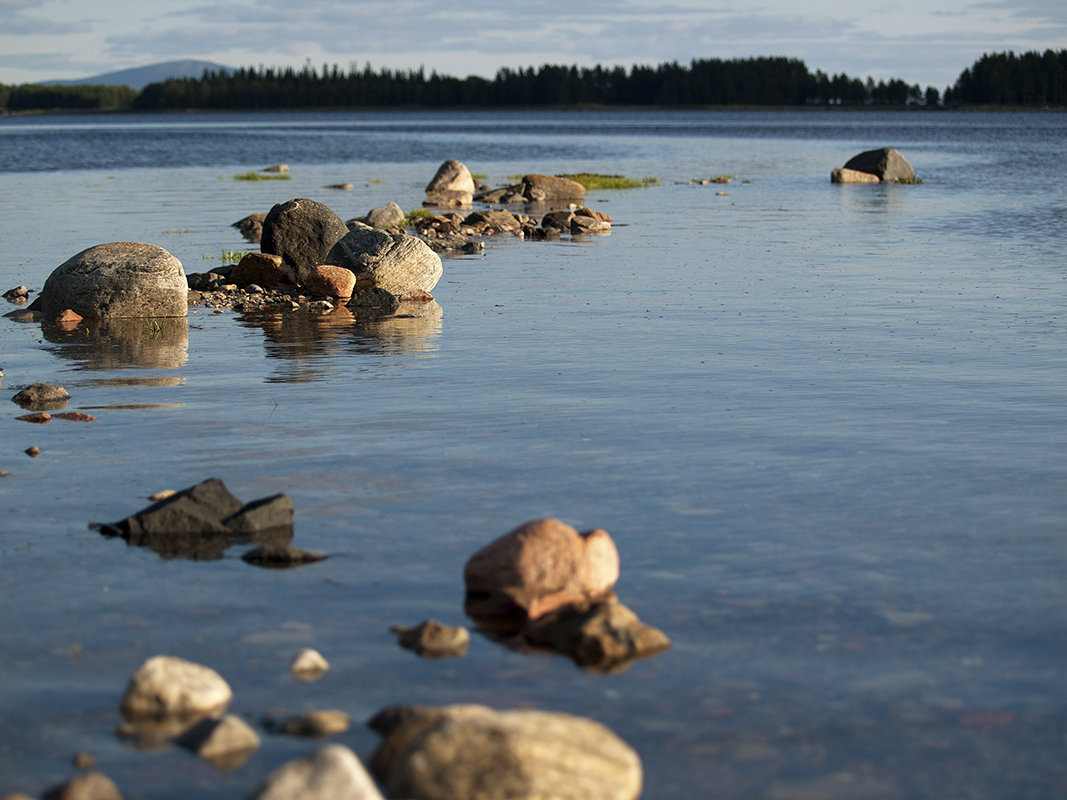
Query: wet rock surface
(42,397)
(475,753)
(887,164)
(281,556)
(398,263)
(302,232)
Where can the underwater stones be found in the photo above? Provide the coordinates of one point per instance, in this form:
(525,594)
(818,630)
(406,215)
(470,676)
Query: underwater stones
(117,280)
(280,556)
(476,753)
(536,568)
(167,686)
(398,263)
(332,773)
(302,232)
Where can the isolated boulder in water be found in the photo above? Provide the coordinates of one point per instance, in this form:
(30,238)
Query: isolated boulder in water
(302,232)
(887,163)
(117,280)
(537,568)
(470,751)
(451,176)
(400,264)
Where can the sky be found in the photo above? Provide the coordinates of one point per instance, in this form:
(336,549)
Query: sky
(928,42)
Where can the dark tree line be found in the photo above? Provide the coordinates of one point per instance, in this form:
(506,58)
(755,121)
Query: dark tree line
(1005,79)
(1030,79)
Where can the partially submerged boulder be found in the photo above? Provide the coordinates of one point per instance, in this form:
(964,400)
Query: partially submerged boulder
(167,686)
(42,397)
(201,522)
(251,227)
(334,772)
(432,639)
(117,280)
(536,568)
(388,216)
(227,743)
(398,263)
(552,189)
(886,163)
(452,175)
(475,753)
(302,232)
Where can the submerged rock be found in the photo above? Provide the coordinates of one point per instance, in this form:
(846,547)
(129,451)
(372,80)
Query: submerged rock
(42,397)
(203,521)
(332,773)
(604,636)
(537,568)
(280,556)
(167,686)
(117,280)
(475,753)
(326,722)
(432,639)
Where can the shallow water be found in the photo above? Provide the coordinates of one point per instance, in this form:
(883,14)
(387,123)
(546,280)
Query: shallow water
(825,426)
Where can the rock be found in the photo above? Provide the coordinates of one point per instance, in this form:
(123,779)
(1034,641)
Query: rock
(332,773)
(551,189)
(842,175)
(302,232)
(537,568)
(200,522)
(326,280)
(38,417)
(493,220)
(604,636)
(451,176)
(448,198)
(887,163)
(475,753)
(280,168)
(75,416)
(585,225)
(83,761)
(67,320)
(18,295)
(227,743)
(388,216)
(42,397)
(17,796)
(560,220)
(344,187)
(600,215)
(24,315)
(251,227)
(313,723)
(262,269)
(90,786)
(375,299)
(398,263)
(432,639)
(308,665)
(166,686)
(117,280)
(280,556)
(33,451)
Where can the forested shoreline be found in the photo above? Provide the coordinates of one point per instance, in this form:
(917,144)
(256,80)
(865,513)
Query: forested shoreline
(1001,79)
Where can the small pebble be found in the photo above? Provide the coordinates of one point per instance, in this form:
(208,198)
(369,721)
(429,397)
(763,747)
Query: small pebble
(308,665)
(33,452)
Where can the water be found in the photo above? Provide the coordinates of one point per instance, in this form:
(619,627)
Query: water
(825,426)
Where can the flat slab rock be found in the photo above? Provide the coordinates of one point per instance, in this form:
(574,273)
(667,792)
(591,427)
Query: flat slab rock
(476,753)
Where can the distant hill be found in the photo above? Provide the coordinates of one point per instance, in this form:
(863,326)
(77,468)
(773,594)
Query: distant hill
(139,77)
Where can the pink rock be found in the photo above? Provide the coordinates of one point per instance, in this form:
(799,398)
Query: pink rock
(537,568)
(327,280)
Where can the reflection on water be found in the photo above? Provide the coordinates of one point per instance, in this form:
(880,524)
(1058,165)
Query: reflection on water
(876,198)
(123,343)
(139,381)
(305,342)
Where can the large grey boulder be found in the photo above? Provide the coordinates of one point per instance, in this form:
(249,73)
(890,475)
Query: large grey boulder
(887,163)
(400,264)
(117,280)
(475,753)
(332,773)
(302,232)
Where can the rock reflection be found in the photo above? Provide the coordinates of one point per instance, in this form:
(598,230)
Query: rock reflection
(122,343)
(305,341)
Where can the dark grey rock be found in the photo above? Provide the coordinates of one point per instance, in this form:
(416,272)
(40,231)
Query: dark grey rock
(251,227)
(375,299)
(887,163)
(280,556)
(302,232)
(432,639)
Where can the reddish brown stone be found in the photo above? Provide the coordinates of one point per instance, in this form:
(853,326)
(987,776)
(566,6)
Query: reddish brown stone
(327,280)
(41,418)
(75,416)
(67,320)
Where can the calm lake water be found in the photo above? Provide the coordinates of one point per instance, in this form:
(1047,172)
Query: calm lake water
(826,426)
